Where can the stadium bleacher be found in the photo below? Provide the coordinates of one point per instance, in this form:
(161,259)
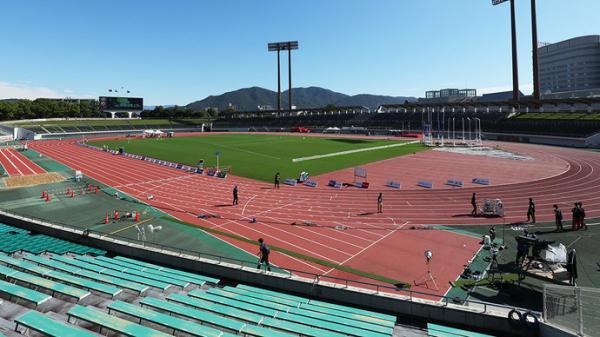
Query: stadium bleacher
(74,290)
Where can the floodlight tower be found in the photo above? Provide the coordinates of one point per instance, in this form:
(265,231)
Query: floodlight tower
(278,47)
(513,30)
(534,43)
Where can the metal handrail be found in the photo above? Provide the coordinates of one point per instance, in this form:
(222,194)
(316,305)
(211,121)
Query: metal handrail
(218,259)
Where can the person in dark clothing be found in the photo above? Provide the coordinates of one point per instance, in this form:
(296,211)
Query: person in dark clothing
(492,235)
(572,267)
(235,195)
(276,180)
(380,203)
(474,204)
(575,212)
(531,211)
(263,254)
(581,221)
(558,218)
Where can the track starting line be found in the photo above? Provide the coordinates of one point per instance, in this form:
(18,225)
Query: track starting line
(341,153)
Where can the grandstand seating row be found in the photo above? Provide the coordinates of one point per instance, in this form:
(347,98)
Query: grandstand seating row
(490,122)
(96,127)
(173,301)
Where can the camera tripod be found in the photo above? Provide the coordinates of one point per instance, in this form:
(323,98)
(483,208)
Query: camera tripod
(428,277)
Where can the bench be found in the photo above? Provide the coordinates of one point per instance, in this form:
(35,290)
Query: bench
(436,330)
(152,271)
(54,287)
(105,271)
(360,314)
(53,274)
(169,270)
(215,307)
(425,184)
(41,323)
(134,272)
(307,317)
(269,313)
(32,296)
(210,318)
(167,321)
(140,288)
(112,323)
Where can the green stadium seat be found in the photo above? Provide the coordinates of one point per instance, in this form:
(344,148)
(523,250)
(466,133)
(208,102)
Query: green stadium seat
(41,323)
(121,269)
(307,318)
(346,323)
(32,296)
(113,323)
(152,271)
(271,316)
(359,312)
(105,271)
(436,330)
(140,288)
(210,318)
(40,282)
(60,276)
(169,270)
(177,324)
(218,308)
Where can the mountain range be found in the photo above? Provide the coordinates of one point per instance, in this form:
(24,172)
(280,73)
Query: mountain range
(311,97)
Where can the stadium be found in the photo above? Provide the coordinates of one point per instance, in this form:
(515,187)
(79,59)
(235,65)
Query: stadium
(448,215)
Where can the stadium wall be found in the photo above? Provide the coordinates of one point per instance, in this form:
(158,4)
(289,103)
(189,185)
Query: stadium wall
(491,319)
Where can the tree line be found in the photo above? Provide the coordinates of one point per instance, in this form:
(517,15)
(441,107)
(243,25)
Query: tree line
(17,109)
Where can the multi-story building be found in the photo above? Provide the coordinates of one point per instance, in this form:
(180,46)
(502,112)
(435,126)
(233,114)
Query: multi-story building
(570,66)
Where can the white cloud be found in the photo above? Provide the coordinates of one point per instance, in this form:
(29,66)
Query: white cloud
(22,90)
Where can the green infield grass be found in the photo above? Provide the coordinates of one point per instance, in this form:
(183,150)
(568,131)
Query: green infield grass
(261,156)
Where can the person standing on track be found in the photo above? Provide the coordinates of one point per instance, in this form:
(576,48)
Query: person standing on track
(582,217)
(558,218)
(277,178)
(380,203)
(575,212)
(235,195)
(263,254)
(531,211)
(474,204)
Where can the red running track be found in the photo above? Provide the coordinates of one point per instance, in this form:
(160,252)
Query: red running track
(16,164)
(378,243)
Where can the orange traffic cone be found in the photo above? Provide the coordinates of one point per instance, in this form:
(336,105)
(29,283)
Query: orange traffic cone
(137,216)
(106,218)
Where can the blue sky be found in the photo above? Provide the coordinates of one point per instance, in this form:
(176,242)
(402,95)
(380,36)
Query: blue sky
(175,52)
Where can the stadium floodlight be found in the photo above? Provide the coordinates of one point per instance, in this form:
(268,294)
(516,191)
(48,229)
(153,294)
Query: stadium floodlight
(278,47)
(513,30)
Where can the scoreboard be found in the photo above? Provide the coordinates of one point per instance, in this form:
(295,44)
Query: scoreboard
(121,103)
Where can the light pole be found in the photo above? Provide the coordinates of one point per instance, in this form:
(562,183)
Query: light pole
(278,47)
(469,119)
(534,44)
(513,31)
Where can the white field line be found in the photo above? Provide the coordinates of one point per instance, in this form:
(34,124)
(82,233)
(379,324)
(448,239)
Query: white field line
(341,153)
